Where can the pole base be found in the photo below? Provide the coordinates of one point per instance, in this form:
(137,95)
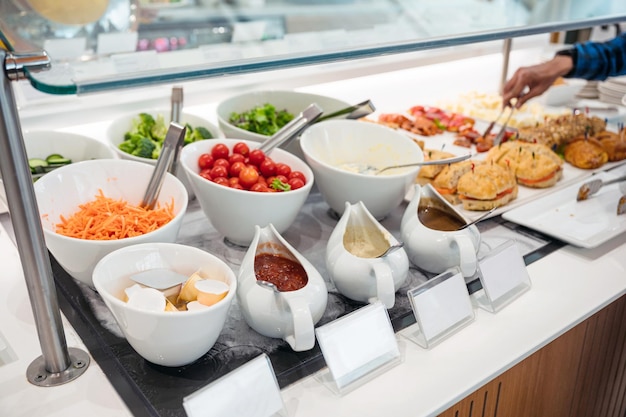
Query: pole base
(38,375)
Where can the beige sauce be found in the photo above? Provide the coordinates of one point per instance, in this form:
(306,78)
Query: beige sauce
(436,216)
(365,242)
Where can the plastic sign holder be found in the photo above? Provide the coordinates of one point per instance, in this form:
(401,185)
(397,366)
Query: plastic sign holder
(357,348)
(442,306)
(503,277)
(250,390)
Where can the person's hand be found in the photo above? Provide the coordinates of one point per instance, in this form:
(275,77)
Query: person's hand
(532,81)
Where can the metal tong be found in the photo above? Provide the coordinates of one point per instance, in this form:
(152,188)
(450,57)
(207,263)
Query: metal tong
(293,128)
(173,139)
(500,135)
(176,108)
(591,187)
(353,112)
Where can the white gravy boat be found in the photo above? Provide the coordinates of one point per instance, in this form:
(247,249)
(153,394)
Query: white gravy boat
(438,250)
(353,262)
(289,315)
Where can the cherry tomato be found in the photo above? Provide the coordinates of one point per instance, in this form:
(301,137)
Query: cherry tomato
(219,171)
(236,168)
(222,162)
(237,186)
(282,179)
(256,157)
(296,183)
(221,181)
(233,180)
(267,167)
(220,151)
(206,173)
(241,148)
(297,174)
(236,157)
(205,161)
(283,169)
(248,176)
(259,187)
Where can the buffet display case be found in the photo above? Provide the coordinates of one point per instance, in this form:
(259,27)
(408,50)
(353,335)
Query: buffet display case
(144,44)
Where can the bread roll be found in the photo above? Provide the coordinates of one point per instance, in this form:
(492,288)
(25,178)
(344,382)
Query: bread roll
(586,153)
(486,186)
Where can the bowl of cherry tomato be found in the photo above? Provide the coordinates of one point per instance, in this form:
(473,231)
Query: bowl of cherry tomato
(238,186)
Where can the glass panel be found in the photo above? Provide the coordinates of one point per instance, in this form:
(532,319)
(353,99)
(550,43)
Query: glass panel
(121,43)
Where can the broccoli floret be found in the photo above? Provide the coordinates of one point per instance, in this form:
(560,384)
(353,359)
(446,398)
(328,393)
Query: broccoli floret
(144,148)
(156,152)
(159,130)
(143,125)
(127,146)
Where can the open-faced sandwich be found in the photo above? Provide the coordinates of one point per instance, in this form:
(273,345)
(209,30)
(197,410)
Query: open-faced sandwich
(487,185)
(533,164)
(446,181)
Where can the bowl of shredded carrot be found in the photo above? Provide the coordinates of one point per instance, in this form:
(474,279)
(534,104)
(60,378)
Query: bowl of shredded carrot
(91,208)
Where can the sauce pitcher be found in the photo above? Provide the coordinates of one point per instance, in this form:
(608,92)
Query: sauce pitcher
(354,261)
(280,292)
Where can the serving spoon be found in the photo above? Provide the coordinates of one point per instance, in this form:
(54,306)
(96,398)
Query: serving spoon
(372,170)
(391,249)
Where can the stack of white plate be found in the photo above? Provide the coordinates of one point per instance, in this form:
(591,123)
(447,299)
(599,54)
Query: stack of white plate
(612,90)
(590,90)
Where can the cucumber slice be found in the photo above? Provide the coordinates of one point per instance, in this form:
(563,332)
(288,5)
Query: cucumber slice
(56,159)
(37,165)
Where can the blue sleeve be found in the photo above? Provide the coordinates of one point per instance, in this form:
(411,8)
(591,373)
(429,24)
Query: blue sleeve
(600,60)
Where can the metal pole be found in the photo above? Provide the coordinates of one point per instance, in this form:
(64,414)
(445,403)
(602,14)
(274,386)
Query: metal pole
(57,365)
(506,53)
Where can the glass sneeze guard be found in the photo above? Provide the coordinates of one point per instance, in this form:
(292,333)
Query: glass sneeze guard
(141,42)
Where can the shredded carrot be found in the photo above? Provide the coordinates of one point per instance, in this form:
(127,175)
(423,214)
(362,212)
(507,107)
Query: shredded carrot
(108,219)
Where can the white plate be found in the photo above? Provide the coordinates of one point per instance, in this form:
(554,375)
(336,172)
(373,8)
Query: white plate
(586,224)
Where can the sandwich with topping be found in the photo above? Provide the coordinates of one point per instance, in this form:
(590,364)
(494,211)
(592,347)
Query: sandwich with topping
(485,186)
(533,165)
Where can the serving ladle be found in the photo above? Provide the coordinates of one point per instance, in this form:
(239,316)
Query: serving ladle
(476,220)
(269,285)
(391,249)
(372,170)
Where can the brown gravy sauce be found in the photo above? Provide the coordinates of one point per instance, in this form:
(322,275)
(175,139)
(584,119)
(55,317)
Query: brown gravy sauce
(286,274)
(436,216)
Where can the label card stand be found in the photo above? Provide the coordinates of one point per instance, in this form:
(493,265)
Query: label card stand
(357,348)
(442,306)
(503,277)
(250,390)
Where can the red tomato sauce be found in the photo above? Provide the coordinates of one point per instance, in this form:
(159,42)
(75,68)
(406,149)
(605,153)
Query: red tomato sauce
(286,274)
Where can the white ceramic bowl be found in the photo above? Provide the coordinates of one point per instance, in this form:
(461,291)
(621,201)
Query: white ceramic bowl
(60,192)
(164,338)
(562,94)
(292,101)
(330,144)
(234,213)
(40,144)
(121,125)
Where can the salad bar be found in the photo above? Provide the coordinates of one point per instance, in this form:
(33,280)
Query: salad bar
(154,390)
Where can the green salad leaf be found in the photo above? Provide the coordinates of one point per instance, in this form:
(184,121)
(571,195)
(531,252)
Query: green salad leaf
(264,120)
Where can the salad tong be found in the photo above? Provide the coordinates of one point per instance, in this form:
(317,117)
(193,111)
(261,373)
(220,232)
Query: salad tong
(591,187)
(292,129)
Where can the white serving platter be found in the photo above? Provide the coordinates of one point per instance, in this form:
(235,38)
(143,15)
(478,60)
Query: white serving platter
(585,224)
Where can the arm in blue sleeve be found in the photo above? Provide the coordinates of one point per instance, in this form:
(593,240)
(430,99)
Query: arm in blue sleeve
(600,60)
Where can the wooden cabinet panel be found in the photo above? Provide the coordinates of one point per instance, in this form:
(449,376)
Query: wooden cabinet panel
(582,373)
